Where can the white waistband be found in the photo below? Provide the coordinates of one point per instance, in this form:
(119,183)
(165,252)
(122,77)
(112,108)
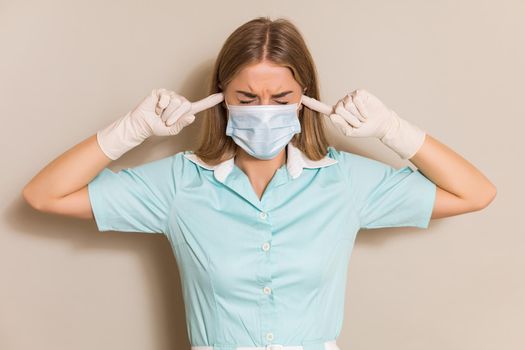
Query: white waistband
(328,345)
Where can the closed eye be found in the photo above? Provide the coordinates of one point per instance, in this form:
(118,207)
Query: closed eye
(280,102)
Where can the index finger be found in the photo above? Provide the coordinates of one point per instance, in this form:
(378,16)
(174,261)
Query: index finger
(206,103)
(315,105)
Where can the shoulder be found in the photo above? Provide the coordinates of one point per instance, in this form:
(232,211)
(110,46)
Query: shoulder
(360,169)
(188,166)
(176,166)
(353,160)
(181,158)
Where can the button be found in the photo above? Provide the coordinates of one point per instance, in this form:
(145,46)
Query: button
(266,246)
(269,336)
(263,215)
(267,290)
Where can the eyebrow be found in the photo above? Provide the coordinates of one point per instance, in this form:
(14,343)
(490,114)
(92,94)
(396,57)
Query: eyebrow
(249,94)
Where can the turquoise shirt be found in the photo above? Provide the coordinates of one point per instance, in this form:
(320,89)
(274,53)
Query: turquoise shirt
(270,271)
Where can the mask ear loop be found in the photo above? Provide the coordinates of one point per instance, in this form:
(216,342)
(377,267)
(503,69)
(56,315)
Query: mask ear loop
(301,98)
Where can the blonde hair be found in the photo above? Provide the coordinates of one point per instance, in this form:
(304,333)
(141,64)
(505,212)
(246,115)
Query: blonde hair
(261,39)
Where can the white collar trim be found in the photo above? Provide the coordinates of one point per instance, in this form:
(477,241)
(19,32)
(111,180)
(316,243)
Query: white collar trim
(296,162)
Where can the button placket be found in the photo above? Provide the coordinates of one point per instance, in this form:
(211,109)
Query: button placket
(266,301)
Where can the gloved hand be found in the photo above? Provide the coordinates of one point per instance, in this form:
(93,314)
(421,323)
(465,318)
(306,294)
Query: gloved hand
(161,113)
(361,114)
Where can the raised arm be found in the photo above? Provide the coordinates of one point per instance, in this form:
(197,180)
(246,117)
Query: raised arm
(461,187)
(61,186)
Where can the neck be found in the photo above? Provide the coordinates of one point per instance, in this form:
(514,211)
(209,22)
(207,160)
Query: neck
(252,166)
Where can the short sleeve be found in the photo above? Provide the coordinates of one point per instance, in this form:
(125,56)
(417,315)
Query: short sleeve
(134,199)
(389,197)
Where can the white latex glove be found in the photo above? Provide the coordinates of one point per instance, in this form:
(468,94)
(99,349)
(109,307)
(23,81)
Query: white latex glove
(361,114)
(161,113)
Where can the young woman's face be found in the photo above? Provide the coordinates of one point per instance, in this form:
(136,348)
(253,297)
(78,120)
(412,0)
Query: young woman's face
(261,84)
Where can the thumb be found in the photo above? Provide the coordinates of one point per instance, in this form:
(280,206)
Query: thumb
(181,123)
(341,124)
(187,120)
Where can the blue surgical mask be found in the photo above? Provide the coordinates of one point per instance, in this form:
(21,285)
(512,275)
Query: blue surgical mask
(263,130)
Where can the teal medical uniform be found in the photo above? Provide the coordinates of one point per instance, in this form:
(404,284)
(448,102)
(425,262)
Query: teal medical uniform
(262,271)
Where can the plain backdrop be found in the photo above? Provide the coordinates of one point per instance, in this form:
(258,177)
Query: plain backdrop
(454,68)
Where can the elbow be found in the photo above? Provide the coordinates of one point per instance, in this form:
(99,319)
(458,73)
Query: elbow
(488,197)
(31,199)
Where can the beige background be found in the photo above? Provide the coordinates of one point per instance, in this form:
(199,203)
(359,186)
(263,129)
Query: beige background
(454,68)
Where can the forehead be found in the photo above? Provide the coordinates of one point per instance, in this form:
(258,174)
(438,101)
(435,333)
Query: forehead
(264,75)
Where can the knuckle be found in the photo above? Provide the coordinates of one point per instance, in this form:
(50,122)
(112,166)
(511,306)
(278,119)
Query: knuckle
(339,108)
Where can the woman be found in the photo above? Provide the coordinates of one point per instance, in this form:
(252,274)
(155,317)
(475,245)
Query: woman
(263,215)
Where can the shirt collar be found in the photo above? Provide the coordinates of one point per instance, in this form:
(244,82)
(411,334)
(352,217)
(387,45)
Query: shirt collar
(295,163)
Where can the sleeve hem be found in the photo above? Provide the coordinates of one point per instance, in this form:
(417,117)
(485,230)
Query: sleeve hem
(93,199)
(429,204)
